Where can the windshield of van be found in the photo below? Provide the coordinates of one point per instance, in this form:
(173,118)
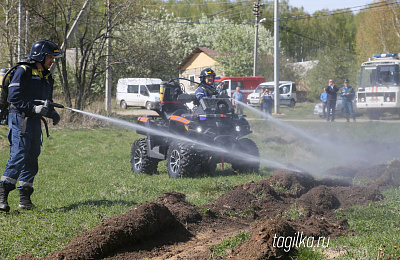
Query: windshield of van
(154,88)
(259,88)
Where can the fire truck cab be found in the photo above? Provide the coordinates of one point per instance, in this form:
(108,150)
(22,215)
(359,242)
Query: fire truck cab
(379,89)
(246,84)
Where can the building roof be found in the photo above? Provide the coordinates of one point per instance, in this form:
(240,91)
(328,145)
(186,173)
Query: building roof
(211,53)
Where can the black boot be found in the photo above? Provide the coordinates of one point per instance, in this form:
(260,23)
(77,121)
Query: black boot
(5,189)
(25,198)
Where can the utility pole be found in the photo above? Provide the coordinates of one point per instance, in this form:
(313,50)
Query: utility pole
(108,53)
(26,31)
(276,56)
(256,12)
(19,52)
(71,32)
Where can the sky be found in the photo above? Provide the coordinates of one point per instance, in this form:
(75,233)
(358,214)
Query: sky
(311,6)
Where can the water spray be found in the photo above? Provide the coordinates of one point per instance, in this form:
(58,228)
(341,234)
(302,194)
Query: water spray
(203,145)
(325,146)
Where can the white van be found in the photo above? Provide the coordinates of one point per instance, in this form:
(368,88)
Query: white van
(287,91)
(141,92)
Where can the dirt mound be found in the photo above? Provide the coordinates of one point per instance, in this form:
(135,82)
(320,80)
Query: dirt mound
(261,242)
(366,175)
(292,183)
(287,204)
(278,238)
(357,195)
(235,201)
(342,171)
(318,200)
(182,210)
(142,222)
(381,177)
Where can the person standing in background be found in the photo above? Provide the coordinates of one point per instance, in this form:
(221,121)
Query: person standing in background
(347,93)
(237,99)
(331,97)
(323,99)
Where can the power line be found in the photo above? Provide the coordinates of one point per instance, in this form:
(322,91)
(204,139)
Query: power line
(345,10)
(300,17)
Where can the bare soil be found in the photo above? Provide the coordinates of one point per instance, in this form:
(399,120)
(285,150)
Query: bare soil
(169,227)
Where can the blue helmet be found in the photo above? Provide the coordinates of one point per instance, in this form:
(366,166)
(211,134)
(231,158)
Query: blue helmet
(206,72)
(41,48)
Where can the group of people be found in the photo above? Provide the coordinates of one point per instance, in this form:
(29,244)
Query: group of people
(329,98)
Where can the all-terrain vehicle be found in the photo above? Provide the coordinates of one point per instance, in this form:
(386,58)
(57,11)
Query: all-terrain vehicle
(193,140)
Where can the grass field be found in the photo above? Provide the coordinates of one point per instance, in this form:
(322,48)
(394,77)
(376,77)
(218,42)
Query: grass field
(85,178)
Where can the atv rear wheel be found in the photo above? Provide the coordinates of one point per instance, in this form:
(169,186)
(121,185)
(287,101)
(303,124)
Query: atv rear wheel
(140,161)
(180,160)
(242,148)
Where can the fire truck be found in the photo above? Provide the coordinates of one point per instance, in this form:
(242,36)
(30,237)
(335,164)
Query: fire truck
(379,89)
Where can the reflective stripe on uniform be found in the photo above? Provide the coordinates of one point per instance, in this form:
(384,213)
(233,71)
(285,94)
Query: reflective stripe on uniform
(8,179)
(25,184)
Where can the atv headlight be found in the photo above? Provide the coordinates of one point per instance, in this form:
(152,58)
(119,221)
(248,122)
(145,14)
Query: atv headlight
(238,128)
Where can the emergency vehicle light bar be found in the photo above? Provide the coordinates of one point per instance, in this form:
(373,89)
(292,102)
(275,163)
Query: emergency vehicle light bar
(385,55)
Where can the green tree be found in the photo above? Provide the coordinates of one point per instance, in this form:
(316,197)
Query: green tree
(161,42)
(379,30)
(334,64)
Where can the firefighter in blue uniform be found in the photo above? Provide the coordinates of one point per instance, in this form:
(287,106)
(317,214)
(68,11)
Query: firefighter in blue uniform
(206,88)
(347,93)
(28,83)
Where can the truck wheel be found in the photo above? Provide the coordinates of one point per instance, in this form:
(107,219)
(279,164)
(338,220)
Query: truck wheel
(123,104)
(292,103)
(180,160)
(245,147)
(140,161)
(148,105)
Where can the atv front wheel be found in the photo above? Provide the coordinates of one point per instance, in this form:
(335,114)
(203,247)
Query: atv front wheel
(247,156)
(180,160)
(140,161)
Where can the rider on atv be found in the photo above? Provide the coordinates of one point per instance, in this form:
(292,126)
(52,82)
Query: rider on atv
(206,88)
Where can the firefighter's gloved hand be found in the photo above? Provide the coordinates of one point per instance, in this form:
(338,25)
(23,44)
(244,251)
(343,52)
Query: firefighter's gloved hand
(56,117)
(40,109)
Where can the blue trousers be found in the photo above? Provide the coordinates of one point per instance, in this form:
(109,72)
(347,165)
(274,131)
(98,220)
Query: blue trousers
(268,108)
(24,150)
(348,108)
